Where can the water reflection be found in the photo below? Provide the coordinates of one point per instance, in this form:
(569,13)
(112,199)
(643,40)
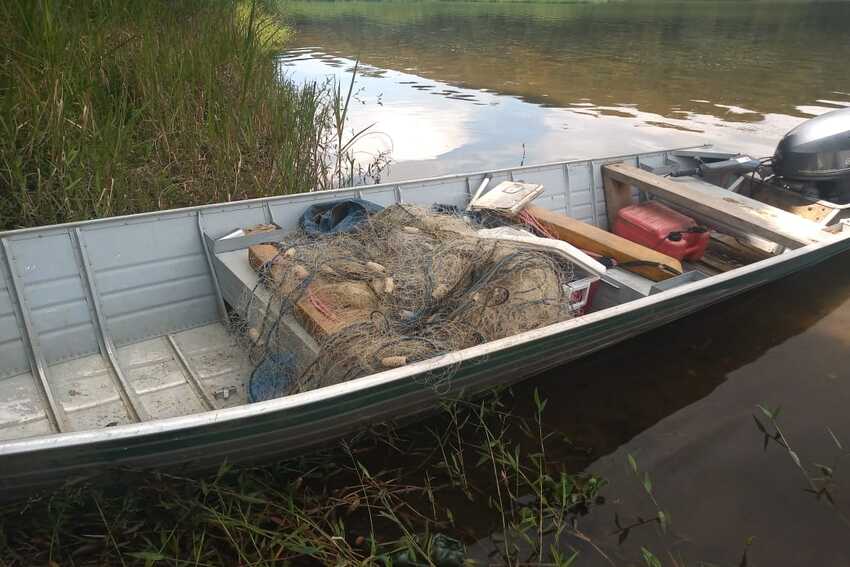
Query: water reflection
(576,80)
(681,401)
(454,86)
(431,127)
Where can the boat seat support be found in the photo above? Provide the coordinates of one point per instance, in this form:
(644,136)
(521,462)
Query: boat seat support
(53,409)
(222,309)
(107,348)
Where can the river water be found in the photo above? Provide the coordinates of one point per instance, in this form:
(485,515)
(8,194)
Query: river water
(455,86)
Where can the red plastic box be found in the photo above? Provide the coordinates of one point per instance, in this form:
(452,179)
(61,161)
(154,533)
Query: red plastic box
(661,228)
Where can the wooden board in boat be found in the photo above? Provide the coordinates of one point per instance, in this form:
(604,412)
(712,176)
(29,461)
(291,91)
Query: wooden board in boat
(593,239)
(711,203)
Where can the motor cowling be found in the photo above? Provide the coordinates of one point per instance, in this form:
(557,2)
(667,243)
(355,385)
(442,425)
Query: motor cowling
(816,150)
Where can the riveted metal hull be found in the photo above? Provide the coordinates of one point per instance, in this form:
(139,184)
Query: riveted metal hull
(203,438)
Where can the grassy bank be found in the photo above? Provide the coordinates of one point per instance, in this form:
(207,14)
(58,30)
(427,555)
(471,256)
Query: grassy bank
(389,497)
(477,484)
(111,107)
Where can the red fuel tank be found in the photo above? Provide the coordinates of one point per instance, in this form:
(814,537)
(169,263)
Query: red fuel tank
(661,228)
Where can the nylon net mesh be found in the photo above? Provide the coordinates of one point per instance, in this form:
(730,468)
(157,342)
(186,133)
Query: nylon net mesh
(407,285)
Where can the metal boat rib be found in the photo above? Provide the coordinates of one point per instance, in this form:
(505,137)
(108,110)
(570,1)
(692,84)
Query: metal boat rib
(112,344)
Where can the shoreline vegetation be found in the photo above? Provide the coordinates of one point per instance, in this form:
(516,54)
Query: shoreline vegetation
(390,497)
(477,484)
(109,107)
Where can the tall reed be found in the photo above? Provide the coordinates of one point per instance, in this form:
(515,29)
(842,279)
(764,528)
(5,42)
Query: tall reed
(111,107)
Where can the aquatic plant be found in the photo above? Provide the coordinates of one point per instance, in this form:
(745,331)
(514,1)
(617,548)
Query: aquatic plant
(821,484)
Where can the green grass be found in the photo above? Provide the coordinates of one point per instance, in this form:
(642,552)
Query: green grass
(475,476)
(111,107)
(389,497)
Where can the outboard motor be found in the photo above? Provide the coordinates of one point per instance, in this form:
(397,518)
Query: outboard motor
(814,157)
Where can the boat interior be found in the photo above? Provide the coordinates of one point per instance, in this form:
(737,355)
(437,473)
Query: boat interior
(123,321)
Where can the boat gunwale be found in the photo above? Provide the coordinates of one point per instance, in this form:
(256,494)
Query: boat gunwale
(328,393)
(247,203)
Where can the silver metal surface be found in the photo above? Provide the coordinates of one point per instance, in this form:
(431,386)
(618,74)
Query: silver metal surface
(592,176)
(161,380)
(704,153)
(220,245)
(107,348)
(224,393)
(39,367)
(270,213)
(194,380)
(241,288)
(203,237)
(14,353)
(681,279)
(282,426)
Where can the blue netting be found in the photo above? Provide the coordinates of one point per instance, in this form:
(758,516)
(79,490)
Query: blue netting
(337,216)
(272,377)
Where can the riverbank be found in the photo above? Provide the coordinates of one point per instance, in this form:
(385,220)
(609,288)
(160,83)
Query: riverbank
(112,107)
(401,497)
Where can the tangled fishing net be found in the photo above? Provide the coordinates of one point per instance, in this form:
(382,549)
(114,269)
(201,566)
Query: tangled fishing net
(406,285)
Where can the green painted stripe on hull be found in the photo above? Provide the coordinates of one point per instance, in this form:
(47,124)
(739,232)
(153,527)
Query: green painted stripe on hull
(292,429)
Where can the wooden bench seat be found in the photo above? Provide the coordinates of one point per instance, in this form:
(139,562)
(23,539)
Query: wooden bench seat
(711,204)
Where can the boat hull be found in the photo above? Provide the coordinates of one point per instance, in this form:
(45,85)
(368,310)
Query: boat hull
(288,425)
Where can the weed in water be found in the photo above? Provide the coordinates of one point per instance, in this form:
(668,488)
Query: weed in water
(821,484)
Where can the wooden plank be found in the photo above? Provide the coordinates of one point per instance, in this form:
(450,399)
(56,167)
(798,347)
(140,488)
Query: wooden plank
(285,274)
(617,196)
(713,204)
(791,202)
(731,246)
(593,239)
(724,253)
